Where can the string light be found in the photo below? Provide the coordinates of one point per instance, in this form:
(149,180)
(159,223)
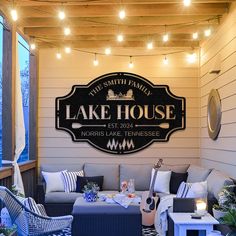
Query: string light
(122,14)
(165,61)
(165,37)
(95,61)
(14,14)
(150,45)
(58,55)
(207,32)
(61,15)
(108,51)
(191,58)
(67,50)
(195,35)
(67,31)
(187,3)
(120,38)
(32,46)
(131,64)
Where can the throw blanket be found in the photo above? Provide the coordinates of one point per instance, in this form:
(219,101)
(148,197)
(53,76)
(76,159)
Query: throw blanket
(161,223)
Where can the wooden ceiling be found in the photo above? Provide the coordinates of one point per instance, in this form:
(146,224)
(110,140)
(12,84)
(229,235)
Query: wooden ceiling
(95,23)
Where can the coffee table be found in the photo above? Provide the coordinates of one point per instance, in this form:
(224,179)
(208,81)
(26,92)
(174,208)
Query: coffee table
(184,222)
(105,219)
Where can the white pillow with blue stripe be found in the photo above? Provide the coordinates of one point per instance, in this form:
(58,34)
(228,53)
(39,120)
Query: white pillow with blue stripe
(70,179)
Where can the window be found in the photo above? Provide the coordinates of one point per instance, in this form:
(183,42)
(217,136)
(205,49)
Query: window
(1,51)
(23,50)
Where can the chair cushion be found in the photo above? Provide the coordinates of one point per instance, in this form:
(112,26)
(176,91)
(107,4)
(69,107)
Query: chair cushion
(175,168)
(82,181)
(216,181)
(197,174)
(176,179)
(139,172)
(109,171)
(61,197)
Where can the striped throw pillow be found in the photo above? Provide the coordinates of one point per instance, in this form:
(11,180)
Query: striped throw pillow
(69,179)
(183,190)
(32,205)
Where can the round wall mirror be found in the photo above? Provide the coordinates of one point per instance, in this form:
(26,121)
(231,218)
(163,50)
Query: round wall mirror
(214,114)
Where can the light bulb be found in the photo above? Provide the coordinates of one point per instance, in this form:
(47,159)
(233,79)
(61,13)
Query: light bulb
(14,15)
(58,55)
(122,14)
(61,15)
(192,58)
(120,38)
(150,45)
(165,61)
(32,46)
(207,32)
(108,51)
(67,50)
(95,62)
(131,65)
(195,35)
(165,37)
(187,3)
(67,31)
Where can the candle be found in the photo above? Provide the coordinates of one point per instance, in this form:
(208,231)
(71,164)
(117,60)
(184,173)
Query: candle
(201,207)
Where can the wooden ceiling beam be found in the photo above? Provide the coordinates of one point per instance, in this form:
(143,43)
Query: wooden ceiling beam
(109,30)
(102,44)
(101,21)
(134,10)
(102,2)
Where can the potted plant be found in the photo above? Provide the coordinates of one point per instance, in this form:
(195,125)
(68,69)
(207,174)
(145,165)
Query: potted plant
(91,192)
(230,220)
(6,231)
(227,200)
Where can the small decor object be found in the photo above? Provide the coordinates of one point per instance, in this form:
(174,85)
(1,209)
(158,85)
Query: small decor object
(227,201)
(124,186)
(201,207)
(214,114)
(131,186)
(91,192)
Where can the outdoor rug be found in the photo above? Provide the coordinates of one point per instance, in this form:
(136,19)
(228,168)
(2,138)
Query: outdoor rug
(146,232)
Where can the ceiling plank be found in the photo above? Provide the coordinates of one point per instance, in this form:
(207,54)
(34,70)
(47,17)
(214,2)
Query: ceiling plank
(102,2)
(134,10)
(110,30)
(99,21)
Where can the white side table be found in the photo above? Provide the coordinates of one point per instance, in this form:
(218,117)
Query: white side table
(184,222)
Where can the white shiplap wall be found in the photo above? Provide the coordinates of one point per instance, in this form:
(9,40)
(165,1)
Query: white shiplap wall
(57,77)
(220,154)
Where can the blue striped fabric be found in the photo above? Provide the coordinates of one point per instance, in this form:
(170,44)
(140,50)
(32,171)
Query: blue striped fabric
(183,190)
(70,178)
(32,205)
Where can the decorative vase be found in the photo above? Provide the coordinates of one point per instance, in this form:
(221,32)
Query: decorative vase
(218,213)
(91,196)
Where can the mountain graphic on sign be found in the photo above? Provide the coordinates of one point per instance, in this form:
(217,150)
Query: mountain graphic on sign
(111,96)
(116,145)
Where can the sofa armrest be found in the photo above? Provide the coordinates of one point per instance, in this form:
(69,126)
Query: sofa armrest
(183,204)
(41,191)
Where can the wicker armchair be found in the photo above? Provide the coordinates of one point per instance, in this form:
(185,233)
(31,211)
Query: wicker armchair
(28,223)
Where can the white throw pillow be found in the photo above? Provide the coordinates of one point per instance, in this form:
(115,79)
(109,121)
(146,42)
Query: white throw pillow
(198,190)
(54,181)
(162,183)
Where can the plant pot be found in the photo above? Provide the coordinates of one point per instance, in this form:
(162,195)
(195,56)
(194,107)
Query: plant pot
(218,213)
(90,196)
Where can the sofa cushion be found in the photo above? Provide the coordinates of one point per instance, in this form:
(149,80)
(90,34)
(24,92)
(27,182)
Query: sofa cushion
(176,168)
(216,181)
(197,174)
(109,171)
(61,197)
(59,167)
(176,179)
(139,172)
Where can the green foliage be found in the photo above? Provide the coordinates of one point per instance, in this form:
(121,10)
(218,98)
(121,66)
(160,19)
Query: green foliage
(16,192)
(91,187)
(6,231)
(230,218)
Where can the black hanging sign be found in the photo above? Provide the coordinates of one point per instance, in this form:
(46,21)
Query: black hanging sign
(120,113)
